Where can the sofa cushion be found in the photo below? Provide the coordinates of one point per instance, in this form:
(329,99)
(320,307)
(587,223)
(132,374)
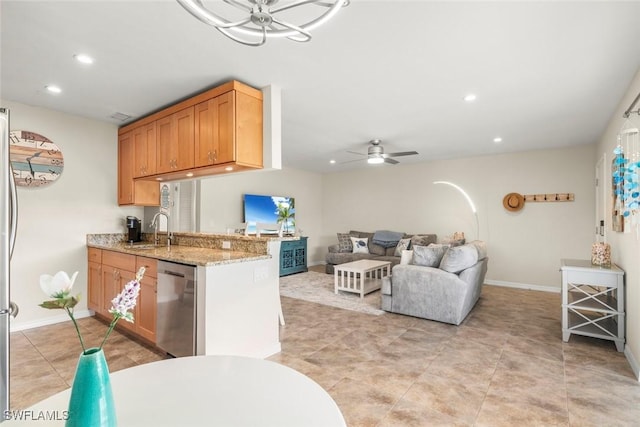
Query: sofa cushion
(423,239)
(402,245)
(360,245)
(428,256)
(341,258)
(459,258)
(481,247)
(392,259)
(344,243)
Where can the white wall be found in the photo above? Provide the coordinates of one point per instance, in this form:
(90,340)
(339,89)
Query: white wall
(525,247)
(54,221)
(625,247)
(221,202)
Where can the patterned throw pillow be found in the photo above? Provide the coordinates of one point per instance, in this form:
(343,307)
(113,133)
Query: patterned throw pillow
(344,243)
(402,245)
(360,245)
(429,256)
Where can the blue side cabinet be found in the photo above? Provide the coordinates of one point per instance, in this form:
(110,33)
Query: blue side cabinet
(293,256)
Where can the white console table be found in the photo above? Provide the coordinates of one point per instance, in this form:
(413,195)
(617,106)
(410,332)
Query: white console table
(592,301)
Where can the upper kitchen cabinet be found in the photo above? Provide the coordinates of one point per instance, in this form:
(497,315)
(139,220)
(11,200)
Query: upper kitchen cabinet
(174,141)
(228,130)
(218,131)
(144,146)
(130,192)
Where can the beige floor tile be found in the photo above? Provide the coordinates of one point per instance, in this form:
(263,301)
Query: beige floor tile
(505,365)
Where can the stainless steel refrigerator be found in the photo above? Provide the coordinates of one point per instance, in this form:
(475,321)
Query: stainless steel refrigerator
(8,226)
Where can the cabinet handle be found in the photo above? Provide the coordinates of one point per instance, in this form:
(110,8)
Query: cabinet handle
(215,155)
(209,157)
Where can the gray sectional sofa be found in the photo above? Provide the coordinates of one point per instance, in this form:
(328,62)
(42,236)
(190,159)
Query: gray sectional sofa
(339,254)
(446,291)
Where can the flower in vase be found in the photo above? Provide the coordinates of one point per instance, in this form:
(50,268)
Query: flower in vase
(59,288)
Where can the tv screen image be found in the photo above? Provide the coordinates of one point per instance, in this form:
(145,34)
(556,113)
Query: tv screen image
(270,209)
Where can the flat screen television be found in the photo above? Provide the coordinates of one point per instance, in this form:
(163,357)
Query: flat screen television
(270,209)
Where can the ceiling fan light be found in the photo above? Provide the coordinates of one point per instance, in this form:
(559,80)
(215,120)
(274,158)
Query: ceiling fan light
(375,160)
(263,20)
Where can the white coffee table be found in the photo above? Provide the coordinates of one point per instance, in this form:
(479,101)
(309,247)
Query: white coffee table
(228,391)
(360,277)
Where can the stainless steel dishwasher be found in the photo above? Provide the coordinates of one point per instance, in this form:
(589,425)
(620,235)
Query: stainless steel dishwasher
(176,320)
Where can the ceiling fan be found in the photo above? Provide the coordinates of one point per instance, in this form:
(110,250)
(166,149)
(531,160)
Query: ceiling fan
(376,155)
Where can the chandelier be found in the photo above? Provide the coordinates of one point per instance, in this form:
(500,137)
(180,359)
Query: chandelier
(265,18)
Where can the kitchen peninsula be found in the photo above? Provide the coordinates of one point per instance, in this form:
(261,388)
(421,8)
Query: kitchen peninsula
(236,289)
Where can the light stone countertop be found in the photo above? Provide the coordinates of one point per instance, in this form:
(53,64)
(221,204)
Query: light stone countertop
(182,254)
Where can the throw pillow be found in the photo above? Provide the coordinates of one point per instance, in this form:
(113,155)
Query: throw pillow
(481,247)
(428,256)
(344,243)
(406,257)
(402,245)
(360,245)
(459,258)
(423,239)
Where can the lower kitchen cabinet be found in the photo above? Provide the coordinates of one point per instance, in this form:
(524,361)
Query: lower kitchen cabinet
(145,315)
(107,278)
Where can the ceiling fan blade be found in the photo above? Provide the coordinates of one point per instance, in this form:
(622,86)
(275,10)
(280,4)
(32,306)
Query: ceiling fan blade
(403,153)
(351,161)
(359,154)
(391,161)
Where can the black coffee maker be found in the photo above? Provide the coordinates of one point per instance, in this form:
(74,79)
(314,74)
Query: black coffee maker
(133,229)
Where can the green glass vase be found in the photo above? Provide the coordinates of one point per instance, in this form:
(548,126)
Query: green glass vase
(91,403)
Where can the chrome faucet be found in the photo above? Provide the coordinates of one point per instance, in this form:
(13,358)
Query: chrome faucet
(155,223)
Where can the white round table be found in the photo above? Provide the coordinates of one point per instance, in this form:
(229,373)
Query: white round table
(211,391)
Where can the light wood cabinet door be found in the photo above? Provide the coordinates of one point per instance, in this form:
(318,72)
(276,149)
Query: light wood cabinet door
(94,286)
(109,288)
(214,130)
(125,169)
(175,141)
(123,278)
(144,145)
(146,309)
(130,192)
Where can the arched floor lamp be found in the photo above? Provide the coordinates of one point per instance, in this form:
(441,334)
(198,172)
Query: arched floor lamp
(471,205)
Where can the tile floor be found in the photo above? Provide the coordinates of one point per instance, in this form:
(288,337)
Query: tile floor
(505,365)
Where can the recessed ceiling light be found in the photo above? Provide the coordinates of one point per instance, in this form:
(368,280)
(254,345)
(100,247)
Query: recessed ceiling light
(470,97)
(190,174)
(497,140)
(53,89)
(84,59)
(228,168)
(333,162)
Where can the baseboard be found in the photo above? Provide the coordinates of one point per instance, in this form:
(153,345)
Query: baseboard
(62,317)
(632,362)
(523,286)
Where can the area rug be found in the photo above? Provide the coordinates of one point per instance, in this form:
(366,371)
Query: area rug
(318,287)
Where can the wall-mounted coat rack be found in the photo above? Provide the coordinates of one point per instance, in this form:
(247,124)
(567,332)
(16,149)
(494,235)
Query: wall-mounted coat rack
(513,202)
(555,197)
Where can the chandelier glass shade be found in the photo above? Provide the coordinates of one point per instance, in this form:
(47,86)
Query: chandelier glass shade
(263,19)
